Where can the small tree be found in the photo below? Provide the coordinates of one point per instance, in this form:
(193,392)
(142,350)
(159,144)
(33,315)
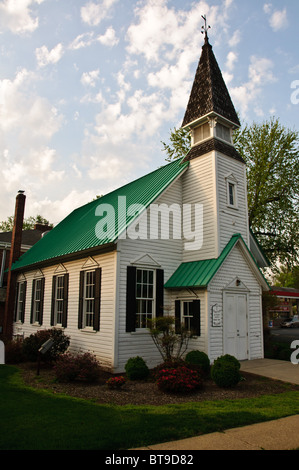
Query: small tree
(171,343)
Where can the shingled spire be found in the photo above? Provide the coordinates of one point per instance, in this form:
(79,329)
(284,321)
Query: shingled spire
(209,92)
(210,114)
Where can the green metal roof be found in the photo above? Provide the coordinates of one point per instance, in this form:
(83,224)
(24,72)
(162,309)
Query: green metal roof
(77,233)
(200,273)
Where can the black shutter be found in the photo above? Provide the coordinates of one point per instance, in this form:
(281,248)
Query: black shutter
(159,292)
(42,291)
(196,317)
(81,295)
(131,299)
(65,299)
(53,301)
(178,316)
(24,302)
(97,299)
(32,300)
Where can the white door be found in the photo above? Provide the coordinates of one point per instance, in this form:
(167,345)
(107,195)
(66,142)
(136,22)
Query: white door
(235,325)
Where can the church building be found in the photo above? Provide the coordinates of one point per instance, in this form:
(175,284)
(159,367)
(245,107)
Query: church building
(173,242)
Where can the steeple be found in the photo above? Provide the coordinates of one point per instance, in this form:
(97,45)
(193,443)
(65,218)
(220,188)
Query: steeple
(210,113)
(209,93)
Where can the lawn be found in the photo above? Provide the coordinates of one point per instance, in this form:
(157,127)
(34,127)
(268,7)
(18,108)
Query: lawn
(39,420)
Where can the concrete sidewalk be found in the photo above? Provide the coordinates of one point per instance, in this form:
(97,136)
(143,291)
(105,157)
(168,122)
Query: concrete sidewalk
(281,434)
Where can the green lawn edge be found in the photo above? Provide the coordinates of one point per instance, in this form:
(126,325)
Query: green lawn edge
(41,420)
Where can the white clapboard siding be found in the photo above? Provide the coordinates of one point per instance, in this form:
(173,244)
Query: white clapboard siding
(234,266)
(199,187)
(99,343)
(231,220)
(164,254)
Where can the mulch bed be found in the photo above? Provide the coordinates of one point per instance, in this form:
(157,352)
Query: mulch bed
(147,392)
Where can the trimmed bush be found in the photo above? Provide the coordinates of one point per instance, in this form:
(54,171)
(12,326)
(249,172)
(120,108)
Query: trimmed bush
(225,372)
(32,344)
(199,359)
(179,380)
(229,358)
(70,367)
(136,368)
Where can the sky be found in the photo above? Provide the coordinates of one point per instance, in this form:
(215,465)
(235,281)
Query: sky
(90,89)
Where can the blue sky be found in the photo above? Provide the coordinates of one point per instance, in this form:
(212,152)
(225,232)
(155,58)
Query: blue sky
(89,89)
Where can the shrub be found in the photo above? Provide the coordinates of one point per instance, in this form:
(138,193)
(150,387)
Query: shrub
(136,368)
(199,359)
(225,372)
(70,367)
(179,380)
(32,344)
(14,351)
(116,382)
(229,358)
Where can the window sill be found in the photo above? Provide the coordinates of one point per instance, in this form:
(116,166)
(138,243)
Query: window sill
(88,330)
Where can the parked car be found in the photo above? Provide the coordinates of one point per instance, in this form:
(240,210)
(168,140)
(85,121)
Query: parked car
(291,323)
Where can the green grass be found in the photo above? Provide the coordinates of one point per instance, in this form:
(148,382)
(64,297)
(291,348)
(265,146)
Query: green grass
(40,420)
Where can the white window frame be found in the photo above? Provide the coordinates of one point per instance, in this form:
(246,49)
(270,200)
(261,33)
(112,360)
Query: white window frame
(88,301)
(232,183)
(37,301)
(185,316)
(20,307)
(60,300)
(143,314)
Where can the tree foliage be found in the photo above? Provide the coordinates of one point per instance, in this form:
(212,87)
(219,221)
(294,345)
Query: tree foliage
(271,154)
(28,223)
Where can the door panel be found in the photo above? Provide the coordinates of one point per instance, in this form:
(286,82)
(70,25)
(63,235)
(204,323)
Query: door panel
(235,331)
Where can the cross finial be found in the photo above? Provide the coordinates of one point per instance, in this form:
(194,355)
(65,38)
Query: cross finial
(205,28)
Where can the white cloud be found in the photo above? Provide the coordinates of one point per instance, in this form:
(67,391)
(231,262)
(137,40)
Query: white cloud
(94,12)
(45,57)
(27,124)
(109,38)
(16,16)
(82,40)
(259,75)
(278,18)
(90,78)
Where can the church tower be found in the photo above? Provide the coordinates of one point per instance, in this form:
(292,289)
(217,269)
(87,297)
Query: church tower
(217,174)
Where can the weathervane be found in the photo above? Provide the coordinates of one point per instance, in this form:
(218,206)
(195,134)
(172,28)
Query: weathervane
(206,27)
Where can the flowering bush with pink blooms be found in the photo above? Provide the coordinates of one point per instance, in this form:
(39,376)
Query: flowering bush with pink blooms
(179,380)
(116,382)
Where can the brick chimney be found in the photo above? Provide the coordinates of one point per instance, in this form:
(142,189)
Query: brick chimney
(15,253)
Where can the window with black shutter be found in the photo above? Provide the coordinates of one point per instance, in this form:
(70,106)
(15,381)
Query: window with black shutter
(59,300)
(37,301)
(20,301)
(187,313)
(145,296)
(90,299)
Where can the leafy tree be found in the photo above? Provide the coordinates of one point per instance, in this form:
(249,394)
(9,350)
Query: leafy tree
(179,146)
(287,278)
(271,154)
(28,223)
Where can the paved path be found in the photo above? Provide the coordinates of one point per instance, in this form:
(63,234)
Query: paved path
(281,434)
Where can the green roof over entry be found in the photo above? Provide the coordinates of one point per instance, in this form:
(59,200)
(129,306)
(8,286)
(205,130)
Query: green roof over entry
(77,232)
(199,273)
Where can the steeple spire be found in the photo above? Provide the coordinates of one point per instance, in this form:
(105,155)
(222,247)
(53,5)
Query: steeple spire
(209,93)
